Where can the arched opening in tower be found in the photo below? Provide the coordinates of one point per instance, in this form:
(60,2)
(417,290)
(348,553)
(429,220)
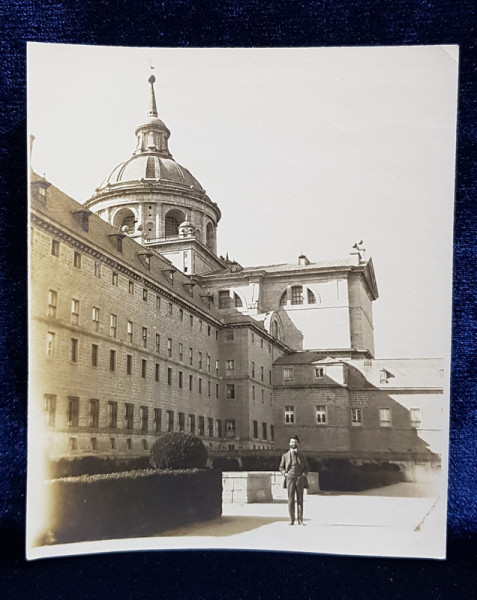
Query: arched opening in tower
(172,221)
(125,220)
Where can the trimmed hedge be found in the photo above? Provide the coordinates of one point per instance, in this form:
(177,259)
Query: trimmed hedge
(131,504)
(175,450)
(95,465)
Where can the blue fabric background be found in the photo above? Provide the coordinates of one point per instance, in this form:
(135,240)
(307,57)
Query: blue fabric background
(209,574)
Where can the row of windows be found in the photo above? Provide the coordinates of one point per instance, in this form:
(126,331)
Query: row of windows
(52,309)
(168,420)
(296,295)
(321,416)
(230,368)
(93,444)
(264,431)
(288,373)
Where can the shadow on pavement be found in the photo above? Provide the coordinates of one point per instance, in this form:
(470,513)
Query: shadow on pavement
(223,526)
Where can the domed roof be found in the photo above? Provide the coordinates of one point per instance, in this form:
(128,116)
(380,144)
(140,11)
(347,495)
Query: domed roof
(151,167)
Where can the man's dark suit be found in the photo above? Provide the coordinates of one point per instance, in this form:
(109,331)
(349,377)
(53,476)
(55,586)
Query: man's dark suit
(295,473)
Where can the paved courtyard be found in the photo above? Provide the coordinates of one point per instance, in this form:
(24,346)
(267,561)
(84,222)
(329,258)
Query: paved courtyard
(378,522)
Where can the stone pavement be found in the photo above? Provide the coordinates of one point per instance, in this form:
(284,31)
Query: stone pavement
(371,524)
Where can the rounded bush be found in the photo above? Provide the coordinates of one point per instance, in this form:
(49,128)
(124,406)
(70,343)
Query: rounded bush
(174,450)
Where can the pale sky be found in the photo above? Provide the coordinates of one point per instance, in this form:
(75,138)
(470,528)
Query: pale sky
(304,150)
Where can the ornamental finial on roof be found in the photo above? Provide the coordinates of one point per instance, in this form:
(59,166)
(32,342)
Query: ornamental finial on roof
(153,107)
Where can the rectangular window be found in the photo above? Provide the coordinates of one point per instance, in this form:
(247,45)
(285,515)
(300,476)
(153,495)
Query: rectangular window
(192,423)
(217,367)
(112,443)
(229,365)
(93,442)
(144,337)
(129,416)
(144,410)
(289,415)
(113,325)
(209,388)
(55,247)
(158,303)
(297,294)
(356,416)
(181,314)
(158,342)
(224,299)
(416,418)
(143,368)
(97,269)
(73,411)
(75,307)
(262,393)
(229,335)
(94,413)
(73,443)
(170,309)
(191,356)
(261,373)
(181,379)
(129,443)
(264,431)
(131,287)
(200,385)
(52,303)
(115,278)
(50,343)
(191,320)
(216,390)
(130,332)
(169,347)
(200,360)
(157,372)
(157,419)
(112,415)
(49,409)
(201,426)
(321,416)
(95,318)
(181,352)
(261,343)
(200,325)
(270,377)
(253,338)
(208,363)
(272,433)
(253,392)
(255,430)
(181,418)
(74,350)
(144,294)
(287,374)
(169,376)
(191,379)
(210,427)
(208,330)
(253,369)
(94,355)
(385,417)
(77,260)
(230,428)
(170,420)
(129,360)
(112,360)
(219,428)
(319,372)
(230,390)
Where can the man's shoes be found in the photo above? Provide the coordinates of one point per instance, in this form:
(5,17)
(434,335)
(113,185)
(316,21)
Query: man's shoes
(291,523)
(301,523)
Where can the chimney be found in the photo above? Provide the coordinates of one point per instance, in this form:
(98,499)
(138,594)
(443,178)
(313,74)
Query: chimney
(303,261)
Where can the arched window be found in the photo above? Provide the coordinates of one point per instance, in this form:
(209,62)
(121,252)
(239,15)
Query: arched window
(311,297)
(150,168)
(237,301)
(125,218)
(172,221)
(283,299)
(297,294)
(210,236)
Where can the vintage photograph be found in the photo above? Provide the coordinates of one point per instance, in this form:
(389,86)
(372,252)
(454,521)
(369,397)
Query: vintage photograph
(240,266)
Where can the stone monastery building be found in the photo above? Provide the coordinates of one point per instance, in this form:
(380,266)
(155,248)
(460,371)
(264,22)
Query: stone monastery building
(139,327)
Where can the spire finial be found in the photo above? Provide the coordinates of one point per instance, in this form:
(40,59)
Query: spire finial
(153,107)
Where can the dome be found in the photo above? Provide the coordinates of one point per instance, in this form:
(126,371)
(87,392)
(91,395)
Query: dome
(153,167)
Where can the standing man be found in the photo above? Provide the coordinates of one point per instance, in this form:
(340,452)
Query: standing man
(294,467)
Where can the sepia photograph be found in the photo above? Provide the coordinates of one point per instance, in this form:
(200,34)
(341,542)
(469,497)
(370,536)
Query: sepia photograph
(240,268)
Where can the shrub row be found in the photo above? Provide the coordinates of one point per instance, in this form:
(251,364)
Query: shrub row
(131,504)
(85,465)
